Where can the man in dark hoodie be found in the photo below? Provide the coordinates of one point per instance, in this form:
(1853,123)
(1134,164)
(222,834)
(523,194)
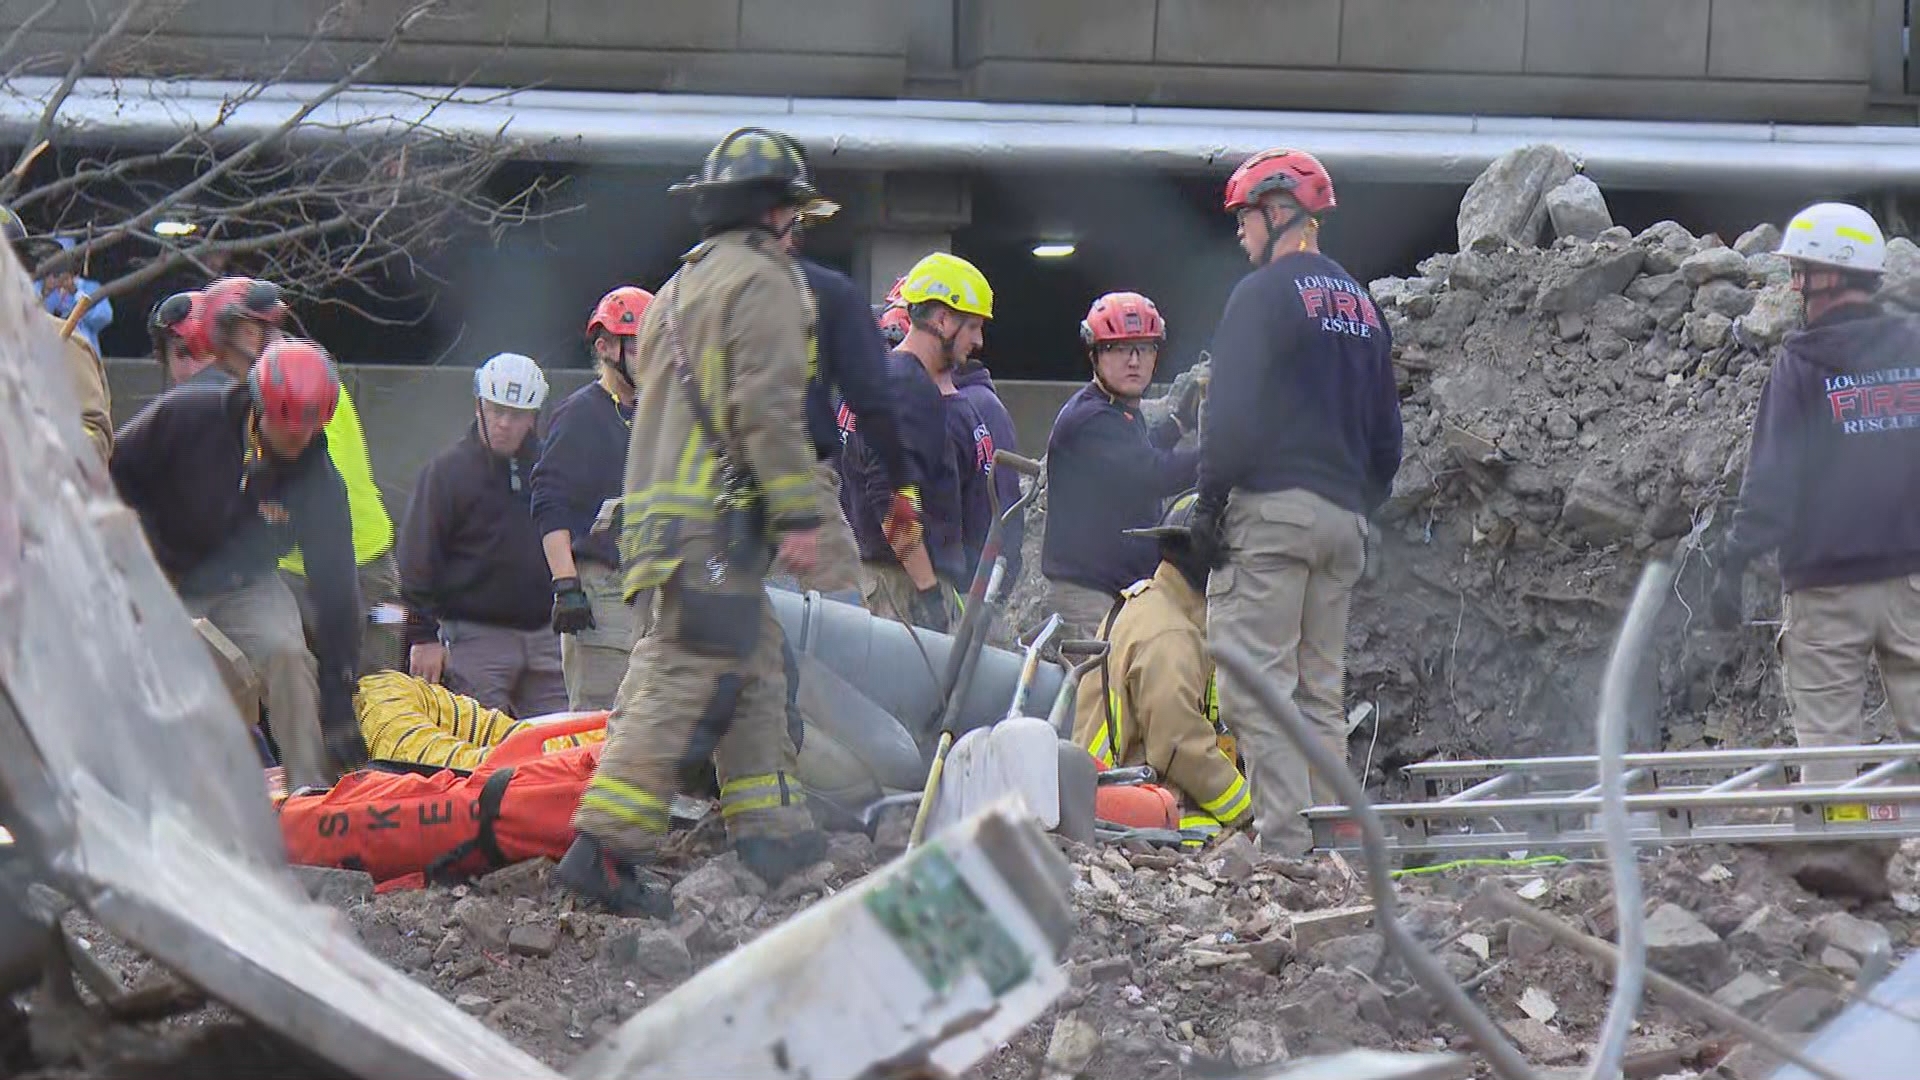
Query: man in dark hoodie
(226,478)
(1302,442)
(992,429)
(473,571)
(1831,484)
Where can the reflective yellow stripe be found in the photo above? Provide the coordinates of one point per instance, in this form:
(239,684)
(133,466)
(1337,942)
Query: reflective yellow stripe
(1100,750)
(1204,822)
(1848,232)
(762,791)
(1801,223)
(626,802)
(1232,802)
(1213,702)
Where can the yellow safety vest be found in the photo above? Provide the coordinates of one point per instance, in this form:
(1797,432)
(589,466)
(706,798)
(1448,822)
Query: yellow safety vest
(347,449)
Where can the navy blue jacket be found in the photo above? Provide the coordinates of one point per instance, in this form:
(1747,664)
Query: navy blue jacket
(180,463)
(994,431)
(1302,393)
(852,373)
(582,465)
(468,547)
(1108,471)
(931,460)
(1834,470)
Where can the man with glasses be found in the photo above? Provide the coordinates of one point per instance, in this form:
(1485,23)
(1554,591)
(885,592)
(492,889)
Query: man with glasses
(1108,471)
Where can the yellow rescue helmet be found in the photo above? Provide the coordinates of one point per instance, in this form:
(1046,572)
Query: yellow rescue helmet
(950,280)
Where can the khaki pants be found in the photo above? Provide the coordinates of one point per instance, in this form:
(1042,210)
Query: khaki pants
(594,661)
(515,671)
(382,645)
(839,567)
(1283,600)
(1830,636)
(263,621)
(1081,609)
(890,593)
(709,683)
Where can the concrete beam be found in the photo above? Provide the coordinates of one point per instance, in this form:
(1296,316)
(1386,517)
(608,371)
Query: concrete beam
(1793,39)
(1106,30)
(1434,35)
(864,27)
(1267,33)
(644,24)
(1618,37)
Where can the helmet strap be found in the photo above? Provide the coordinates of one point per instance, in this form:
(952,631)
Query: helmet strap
(1275,232)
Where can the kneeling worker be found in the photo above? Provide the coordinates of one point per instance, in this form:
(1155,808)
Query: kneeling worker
(1152,702)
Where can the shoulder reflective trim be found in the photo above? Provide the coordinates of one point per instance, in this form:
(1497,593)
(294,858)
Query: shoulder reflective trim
(1136,588)
(626,802)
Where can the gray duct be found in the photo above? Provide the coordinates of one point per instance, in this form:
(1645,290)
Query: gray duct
(675,129)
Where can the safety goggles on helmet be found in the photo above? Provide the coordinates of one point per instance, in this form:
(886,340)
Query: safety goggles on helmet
(169,314)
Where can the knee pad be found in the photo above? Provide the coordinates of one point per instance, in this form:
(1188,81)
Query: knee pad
(712,725)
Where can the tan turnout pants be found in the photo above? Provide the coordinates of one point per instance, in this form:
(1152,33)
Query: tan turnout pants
(1283,600)
(1830,636)
(262,619)
(709,682)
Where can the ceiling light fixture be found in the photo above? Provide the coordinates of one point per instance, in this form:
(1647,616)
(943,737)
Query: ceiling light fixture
(1053,250)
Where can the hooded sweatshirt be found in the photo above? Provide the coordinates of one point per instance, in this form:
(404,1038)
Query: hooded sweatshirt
(992,431)
(1835,462)
(931,463)
(1107,471)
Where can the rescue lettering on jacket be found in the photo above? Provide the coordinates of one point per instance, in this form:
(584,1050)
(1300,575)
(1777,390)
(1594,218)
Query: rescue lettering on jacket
(1341,306)
(1875,401)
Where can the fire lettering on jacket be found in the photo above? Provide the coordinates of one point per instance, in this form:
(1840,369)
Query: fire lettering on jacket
(1867,404)
(1341,306)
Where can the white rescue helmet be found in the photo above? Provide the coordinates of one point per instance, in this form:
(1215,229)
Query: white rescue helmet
(1838,235)
(511,380)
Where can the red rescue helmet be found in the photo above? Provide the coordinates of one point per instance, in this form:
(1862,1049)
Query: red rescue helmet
(618,313)
(894,324)
(1295,172)
(893,294)
(1122,316)
(179,316)
(232,298)
(295,387)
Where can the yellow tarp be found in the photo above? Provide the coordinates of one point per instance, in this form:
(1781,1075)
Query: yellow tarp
(413,721)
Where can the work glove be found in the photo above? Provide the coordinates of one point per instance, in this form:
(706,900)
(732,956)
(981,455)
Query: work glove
(1725,601)
(902,526)
(1187,401)
(339,725)
(930,608)
(572,612)
(1209,530)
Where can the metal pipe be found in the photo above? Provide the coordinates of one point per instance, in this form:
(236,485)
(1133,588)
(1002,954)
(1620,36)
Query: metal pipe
(1632,776)
(1878,773)
(1685,759)
(1616,688)
(1483,789)
(1747,779)
(675,129)
(1659,800)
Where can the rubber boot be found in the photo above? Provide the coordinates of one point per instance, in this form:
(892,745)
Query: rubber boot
(618,884)
(774,859)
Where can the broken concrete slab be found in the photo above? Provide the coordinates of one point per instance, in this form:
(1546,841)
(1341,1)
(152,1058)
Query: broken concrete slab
(1541,1044)
(533,939)
(1679,944)
(1579,287)
(1762,238)
(334,887)
(1851,935)
(1312,928)
(1714,264)
(1748,992)
(1507,203)
(1578,209)
(1775,313)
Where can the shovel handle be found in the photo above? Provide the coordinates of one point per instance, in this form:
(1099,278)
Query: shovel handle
(1007,459)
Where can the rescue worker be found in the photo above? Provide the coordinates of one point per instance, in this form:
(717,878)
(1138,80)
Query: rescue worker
(574,484)
(1108,471)
(893,322)
(849,387)
(948,302)
(719,486)
(1830,480)
(88,374)
(992,430)
(1152,700)
(473,571)
(1302,443)
(226,478)
(242,315)
(173,327)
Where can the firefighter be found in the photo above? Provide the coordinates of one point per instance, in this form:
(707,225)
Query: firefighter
(1108,470)
(991,430)
(574,485)
(1302,443)
(242,316)
(226,477)
(719,487)
(174,328)
(1152,701)
(89,375)
(473,571)
(1830,480)
(914,573)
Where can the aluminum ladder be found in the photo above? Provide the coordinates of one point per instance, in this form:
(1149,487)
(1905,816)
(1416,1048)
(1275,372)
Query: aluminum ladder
(1694,797)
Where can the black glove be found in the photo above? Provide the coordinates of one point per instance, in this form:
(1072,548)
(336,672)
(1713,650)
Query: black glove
(1209,529)
(572,612)
(1725,601)
(338,723)
(930,608)
(1186,403)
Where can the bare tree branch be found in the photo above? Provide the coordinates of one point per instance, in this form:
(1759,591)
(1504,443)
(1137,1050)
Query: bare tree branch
(43,126)
(26,27)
